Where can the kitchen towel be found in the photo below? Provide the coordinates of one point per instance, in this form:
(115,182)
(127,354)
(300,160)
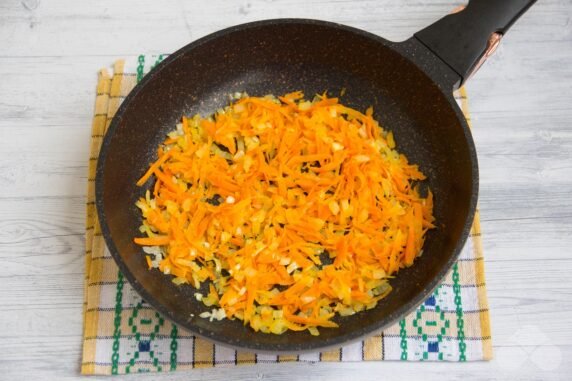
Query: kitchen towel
(123,334)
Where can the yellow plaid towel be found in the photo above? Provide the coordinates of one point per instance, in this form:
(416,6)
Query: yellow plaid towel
(123,334)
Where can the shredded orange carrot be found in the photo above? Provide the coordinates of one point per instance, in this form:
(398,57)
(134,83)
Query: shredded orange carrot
(293,211)
(152,241)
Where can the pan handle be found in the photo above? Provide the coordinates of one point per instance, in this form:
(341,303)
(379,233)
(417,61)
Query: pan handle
(464,40)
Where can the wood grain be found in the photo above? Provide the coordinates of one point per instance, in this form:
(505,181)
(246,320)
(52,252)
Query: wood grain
(521,103)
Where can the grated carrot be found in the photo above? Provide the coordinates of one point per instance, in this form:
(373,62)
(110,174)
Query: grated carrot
(294,211)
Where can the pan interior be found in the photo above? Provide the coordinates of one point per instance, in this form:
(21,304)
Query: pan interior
(275,59)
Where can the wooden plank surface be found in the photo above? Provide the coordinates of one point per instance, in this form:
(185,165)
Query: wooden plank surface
(521,104)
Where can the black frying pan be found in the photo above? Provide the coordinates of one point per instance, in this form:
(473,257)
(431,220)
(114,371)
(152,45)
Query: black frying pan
(410,86)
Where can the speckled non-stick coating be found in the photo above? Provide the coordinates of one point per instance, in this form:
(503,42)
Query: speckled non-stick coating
(411,92)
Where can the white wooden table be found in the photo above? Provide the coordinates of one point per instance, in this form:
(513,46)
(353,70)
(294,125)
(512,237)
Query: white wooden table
(521,103)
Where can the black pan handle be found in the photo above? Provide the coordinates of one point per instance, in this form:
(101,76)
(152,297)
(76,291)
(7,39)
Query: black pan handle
(464,40)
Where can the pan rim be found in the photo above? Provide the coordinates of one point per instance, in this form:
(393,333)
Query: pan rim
(336,342)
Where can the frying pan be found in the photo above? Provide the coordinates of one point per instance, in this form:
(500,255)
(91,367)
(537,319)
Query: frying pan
(409,84)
